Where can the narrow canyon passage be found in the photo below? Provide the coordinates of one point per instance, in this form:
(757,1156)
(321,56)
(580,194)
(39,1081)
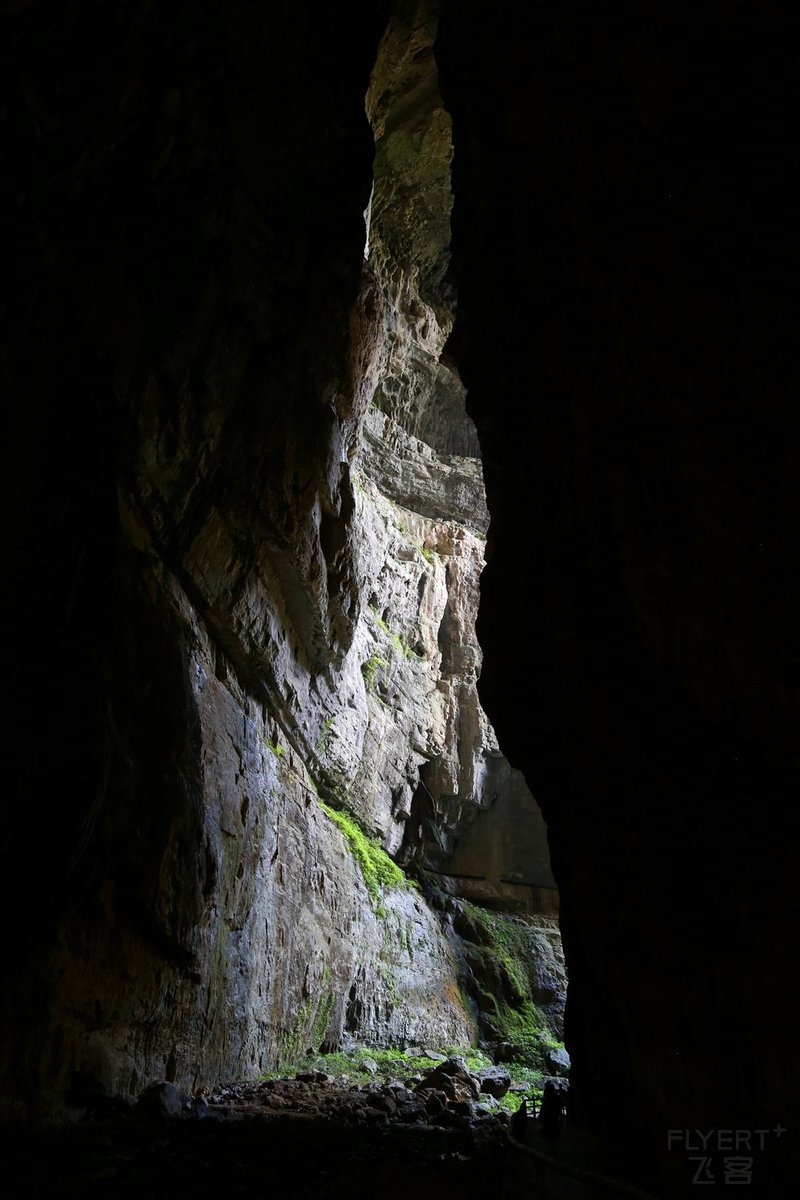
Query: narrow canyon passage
(400,599)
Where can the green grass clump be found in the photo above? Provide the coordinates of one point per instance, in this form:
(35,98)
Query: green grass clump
(370,668)
(352,1064)
(533,1087)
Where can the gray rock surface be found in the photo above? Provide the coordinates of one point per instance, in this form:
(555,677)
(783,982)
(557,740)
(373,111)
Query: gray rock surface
(495,1081)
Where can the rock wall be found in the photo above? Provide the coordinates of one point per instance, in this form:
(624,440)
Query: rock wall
(421,450)
(246,537)
(252,935)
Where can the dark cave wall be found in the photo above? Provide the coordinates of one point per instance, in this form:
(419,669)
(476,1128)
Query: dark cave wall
(625,252)
(182,233)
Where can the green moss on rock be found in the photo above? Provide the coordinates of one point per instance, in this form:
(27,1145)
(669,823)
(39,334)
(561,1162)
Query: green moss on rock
(379,870)
(501,980)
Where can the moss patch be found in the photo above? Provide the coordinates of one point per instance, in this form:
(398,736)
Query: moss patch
(379,870)
(501,981)
(370,668)
(398,644)
(308,1029)
(363,1063)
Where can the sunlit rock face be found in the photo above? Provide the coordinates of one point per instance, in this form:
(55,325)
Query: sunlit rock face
(420,453)
(391,708)
(620,235)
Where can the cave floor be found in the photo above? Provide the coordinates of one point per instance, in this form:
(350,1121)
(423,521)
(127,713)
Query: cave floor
(303,1137)
(153,1157)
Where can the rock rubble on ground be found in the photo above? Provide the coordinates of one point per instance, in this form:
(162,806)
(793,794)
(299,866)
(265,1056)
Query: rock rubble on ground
(446,1095)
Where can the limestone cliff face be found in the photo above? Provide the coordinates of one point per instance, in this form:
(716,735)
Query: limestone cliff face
(258,937)
(421,453)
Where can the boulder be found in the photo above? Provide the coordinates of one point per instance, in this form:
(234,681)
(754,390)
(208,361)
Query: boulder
(453,1078)
(163,1098)
(495,1081)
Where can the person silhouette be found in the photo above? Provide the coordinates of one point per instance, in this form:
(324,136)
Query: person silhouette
(551,1114)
